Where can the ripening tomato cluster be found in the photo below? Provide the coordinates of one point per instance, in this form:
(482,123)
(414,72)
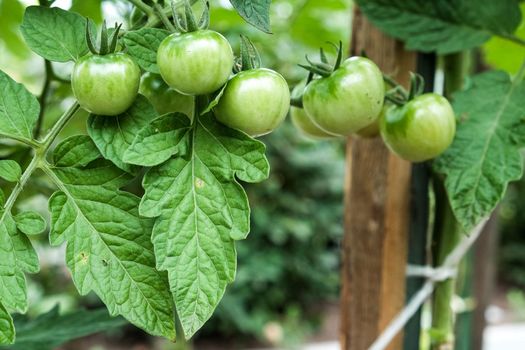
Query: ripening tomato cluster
(195,62)
(351,100)
(346,99)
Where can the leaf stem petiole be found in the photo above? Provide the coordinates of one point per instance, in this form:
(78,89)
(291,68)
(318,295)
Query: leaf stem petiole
(59,125)
(142,6)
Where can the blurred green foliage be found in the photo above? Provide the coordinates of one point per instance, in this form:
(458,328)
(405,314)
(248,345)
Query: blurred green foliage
(289,265)
(504,54)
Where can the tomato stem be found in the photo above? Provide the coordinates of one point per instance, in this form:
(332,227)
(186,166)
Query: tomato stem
(59,125)
(142,6)
(164,19)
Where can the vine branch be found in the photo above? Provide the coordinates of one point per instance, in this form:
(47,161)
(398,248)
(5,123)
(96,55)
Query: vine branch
(59,125)
(515,39)
(142,6)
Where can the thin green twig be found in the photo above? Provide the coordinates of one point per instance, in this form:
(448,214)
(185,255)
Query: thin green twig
(165,20)
(59,125)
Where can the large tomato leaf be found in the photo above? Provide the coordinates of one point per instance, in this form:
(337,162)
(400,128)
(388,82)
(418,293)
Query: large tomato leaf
(19,109)
(76,150)
(201,210)
(143,44)
(485,155)
(159,140)
(113,135)
(255,12)
(109,249)
(55,34)
(443,26)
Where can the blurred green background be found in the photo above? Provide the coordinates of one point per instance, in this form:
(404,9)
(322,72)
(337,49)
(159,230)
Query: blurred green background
(288,268)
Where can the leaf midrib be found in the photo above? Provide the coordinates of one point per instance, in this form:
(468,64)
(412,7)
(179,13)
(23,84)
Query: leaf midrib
(64,189)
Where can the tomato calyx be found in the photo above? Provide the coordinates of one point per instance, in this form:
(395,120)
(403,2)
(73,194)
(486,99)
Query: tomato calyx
(249,57)
(398,95)
(108,43)
(324,68)
(188,21)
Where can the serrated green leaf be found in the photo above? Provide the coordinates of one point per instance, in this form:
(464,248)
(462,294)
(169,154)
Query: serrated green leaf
(108,245)
(255,12)
(50,330)
(17,256)
(201,209)
(159,140)
(143,44)
(55,34)
(30,223)
(7,329)
(10,170)
(484,156)
(114,135)
(443,26)
(77,150)
(19,109)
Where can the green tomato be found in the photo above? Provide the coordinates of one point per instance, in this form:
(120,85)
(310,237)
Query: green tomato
(347,100)
(195,63)
(302,121)
(164,98)
(105,85)
(420,130)
(254,101)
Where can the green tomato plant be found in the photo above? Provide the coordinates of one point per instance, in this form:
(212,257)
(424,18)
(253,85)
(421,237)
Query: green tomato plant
(153,259)
(167,256)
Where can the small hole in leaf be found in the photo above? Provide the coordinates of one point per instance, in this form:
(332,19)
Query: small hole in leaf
(105,262)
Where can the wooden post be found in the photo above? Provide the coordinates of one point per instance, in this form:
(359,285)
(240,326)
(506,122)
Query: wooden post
(377,190)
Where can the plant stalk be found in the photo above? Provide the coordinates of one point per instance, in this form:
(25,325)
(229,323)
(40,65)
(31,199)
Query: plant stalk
(447,234)
(142,6)
(59,125)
